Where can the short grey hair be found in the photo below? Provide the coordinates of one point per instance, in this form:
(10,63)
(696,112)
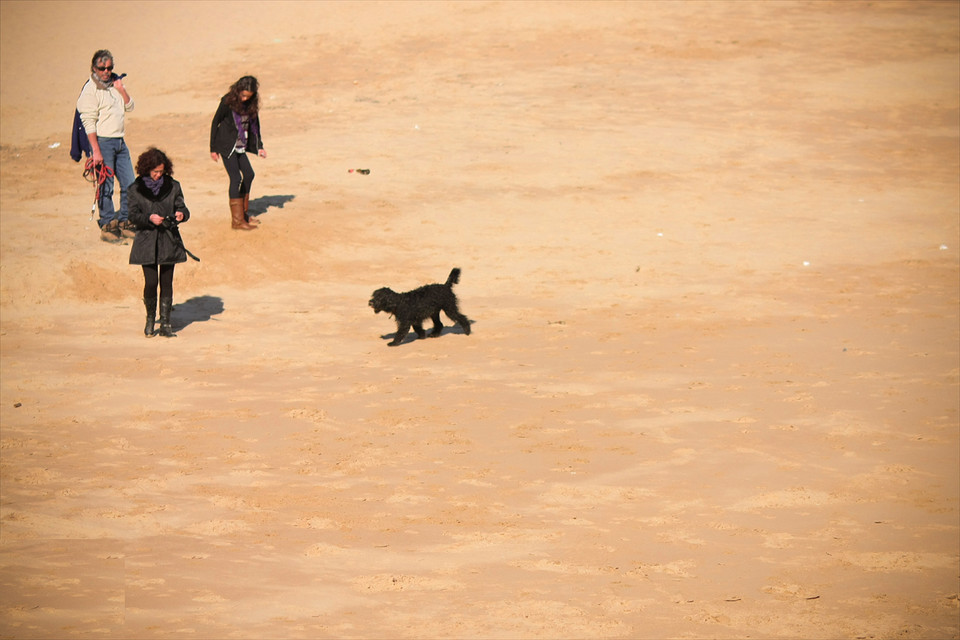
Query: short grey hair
(102,54)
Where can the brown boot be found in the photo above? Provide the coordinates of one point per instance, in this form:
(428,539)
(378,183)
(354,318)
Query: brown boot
(127,230)
(246,211)
(110,232)
(236,215)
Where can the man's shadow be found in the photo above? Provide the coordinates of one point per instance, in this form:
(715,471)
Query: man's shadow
(197,309)
(259,206)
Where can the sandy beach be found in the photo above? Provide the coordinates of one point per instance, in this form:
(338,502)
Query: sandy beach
(711,252)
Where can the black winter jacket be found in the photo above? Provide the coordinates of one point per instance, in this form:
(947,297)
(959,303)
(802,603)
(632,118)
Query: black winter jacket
(223,132)
(156,244)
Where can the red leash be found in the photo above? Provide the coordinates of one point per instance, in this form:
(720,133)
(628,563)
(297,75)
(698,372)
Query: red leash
(97,174)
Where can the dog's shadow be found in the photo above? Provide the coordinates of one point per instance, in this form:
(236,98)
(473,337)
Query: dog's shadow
(447,328)
(197,309)
(259,206)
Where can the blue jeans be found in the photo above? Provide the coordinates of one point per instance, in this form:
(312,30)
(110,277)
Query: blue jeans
(117,157)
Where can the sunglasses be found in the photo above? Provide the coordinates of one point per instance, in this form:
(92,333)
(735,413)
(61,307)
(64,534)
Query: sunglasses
(110,68)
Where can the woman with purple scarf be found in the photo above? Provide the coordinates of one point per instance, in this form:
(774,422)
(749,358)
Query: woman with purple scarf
(235,131)
(156,206)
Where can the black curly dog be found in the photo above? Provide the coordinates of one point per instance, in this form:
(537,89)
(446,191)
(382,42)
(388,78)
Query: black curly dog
(411,308)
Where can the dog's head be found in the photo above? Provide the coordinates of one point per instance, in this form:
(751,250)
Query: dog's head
(384,299)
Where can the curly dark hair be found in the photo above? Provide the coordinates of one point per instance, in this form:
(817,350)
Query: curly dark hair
(252,106)
(151,159)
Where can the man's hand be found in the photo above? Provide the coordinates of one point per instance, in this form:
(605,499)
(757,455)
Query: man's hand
(95,149)
(118,85)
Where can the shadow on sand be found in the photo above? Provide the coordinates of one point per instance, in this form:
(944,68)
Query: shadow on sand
(197,309)
(259,206)
(447,329)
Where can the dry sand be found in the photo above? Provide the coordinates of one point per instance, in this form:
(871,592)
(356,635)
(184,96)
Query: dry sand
(711,254)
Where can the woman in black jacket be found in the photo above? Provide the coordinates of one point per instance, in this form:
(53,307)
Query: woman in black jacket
(234,132)
(156,207)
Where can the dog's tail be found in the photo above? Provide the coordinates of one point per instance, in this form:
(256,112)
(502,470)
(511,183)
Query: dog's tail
(454,277)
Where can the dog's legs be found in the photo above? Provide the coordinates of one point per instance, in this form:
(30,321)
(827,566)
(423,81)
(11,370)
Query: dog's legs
(402,331)
(437,325)
(418,327)
(454,314)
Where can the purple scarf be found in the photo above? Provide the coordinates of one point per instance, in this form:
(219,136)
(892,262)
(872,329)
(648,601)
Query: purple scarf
(153,185)
(242,129)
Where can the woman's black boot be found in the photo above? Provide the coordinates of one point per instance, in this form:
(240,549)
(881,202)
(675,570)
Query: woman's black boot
(151,306)
(166,329)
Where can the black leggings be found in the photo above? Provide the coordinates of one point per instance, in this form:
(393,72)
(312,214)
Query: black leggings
(154,275)
(240,173)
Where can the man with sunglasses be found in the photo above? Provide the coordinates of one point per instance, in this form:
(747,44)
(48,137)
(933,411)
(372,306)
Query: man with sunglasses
(102,104)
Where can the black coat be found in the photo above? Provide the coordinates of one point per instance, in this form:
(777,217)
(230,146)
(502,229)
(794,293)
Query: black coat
(156,244)
(223,132)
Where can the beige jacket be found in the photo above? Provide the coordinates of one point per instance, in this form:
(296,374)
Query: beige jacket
(102,110)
